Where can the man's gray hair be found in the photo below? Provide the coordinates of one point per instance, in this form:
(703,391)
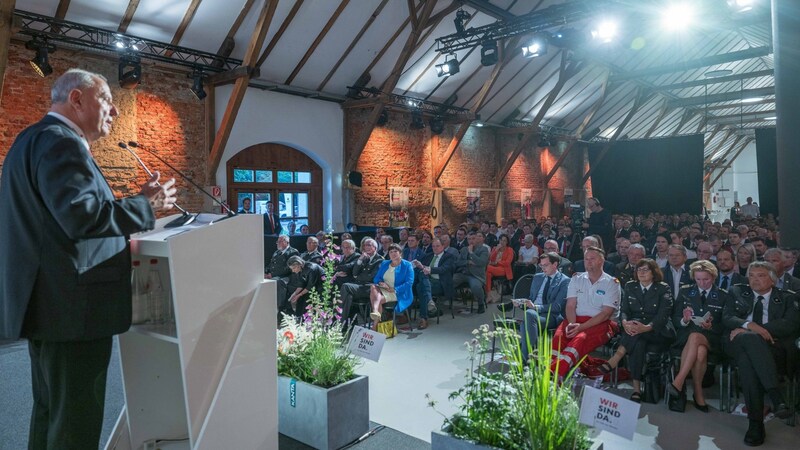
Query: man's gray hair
(283,237)
(593,240)
(678,247)
(766,266)
(72,79)
(369,241)
(637,247)
(772,251)
(349,242)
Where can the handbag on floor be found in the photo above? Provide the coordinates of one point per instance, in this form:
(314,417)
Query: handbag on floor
(387,327)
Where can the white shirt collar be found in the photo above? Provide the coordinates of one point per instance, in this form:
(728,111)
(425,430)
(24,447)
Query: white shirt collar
(645,287)
(72,125)
(766,296)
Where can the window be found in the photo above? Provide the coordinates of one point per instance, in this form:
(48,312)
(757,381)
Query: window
(242,175)
(263,176)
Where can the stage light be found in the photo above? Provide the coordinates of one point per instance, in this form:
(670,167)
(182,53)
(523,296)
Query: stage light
(197,85)
(130,72)
(741,6)
(752,99)
(605,31)
(544,141)
(771,118)
(383,119)
(447,68)
(416,121)
(41,61)
(479,124)
(489,53)
(461,19)
(437,125)
(536,47)
(677,17)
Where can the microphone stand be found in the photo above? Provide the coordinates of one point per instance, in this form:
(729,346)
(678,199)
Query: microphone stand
(186,218)
(225,207)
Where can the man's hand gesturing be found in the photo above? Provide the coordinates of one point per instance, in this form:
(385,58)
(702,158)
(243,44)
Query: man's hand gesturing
(160,196)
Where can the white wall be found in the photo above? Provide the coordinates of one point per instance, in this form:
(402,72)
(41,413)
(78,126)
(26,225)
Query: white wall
(314,127)
(741,179)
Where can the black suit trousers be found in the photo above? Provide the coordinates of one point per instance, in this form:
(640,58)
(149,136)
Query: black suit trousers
(755,361)
(637,346)
(69,393)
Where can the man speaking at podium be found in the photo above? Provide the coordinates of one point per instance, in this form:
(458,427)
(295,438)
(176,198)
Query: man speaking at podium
(65,281)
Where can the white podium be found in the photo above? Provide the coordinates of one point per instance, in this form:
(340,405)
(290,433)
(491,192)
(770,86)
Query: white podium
(209,380)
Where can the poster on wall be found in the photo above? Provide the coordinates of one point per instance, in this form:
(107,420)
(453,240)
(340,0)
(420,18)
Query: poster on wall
(526,204)
(398,207)
(473,205)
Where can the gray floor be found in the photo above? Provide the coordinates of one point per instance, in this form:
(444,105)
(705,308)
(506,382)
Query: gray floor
(432,361)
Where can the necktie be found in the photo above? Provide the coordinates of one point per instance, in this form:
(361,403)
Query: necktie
(433,264)
(644,292)
(272,221)
(703,299)
(724,284)
(758,310)
(546,288)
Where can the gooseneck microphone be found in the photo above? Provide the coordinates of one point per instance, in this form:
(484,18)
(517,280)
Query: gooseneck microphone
(186,218)
(225,207)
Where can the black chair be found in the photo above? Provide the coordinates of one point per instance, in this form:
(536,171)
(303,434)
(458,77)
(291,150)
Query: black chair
(522,289)
(390,306)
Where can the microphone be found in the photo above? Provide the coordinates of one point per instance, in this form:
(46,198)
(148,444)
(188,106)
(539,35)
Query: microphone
(225,207)
(184,219)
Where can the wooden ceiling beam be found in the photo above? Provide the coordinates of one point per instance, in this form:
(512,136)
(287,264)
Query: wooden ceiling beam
(187,19)
(685,117)
(352,44)
(642,96)
(317,41)
(389,86)
(240,88)
(662,112)
(279,34)
(730,163)
(61,11)
(412,14)
(728,133)
(588,118)
(128,16)
(227,45)
(708,140)
(6,20)
(389,43)
(565,72)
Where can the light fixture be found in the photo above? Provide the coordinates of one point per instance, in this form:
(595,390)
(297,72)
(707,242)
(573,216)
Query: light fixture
(741,6)
(437,125)
(383,118)
(412,103)
(41,61)
(130,72)
(752,99)
(489,53)
(771,118)
(605,31)
(416,121)
(197,84)
(460,20)
(544,141)
(677,17)
(536,47)
(124,43)
(479,124)
(447,68)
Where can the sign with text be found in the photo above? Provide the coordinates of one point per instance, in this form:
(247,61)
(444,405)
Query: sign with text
(606,411)
(366,343)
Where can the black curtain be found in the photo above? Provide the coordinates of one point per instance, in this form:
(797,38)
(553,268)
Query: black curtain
(651,175)
(767,162)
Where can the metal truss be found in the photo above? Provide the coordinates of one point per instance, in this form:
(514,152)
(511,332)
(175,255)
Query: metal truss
(78,35)
(412,103)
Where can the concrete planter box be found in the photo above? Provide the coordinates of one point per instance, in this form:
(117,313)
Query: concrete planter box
(441,440)
(323,418)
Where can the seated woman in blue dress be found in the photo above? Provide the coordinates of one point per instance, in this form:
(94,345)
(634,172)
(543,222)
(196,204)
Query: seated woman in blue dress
(393,283)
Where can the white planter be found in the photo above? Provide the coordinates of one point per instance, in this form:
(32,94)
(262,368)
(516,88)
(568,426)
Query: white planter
(323,418)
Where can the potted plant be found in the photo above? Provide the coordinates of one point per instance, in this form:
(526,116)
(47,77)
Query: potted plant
(523,407)
(321,401)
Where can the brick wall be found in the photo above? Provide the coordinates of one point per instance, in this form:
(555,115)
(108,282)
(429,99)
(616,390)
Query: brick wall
(161,113)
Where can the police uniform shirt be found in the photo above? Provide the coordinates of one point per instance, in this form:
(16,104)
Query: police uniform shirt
(593,297)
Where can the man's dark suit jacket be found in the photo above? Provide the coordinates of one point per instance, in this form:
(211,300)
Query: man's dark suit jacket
(734,278)
(277,265)
(346,264)
(783,312)
(445,268)
(556,301)
(268,226)
(364,271)
(65,264)
(685,278)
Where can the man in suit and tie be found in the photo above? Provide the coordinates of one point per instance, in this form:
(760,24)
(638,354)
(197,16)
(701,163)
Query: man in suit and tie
(272,223)
(412,250)
(471,268)
(436,278)
(774,256)
(544,307)
(764,323)
(65,263)
(676,273)
(728,273)
(364,271)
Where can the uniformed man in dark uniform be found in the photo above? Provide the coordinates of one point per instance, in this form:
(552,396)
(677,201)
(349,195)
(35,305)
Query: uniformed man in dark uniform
(364,272)
(312,253)
(625,269)
(277,269)
(344,269)
(764,323)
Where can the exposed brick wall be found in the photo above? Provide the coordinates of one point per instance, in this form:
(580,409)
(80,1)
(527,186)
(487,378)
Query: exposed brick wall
(161,113)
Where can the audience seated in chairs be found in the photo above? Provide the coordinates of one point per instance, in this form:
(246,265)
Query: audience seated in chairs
(364,271)
(306,276)
(551,246)
(676,273)
(592,302)
(312,253)
(528,257)
(344,269)
(471,268)
(392,284)
(645,315)
(435,272)
(625,270)
(500,261)
(578,266)
(697,337)
(764,323)
(544,307)
(728,275)
(278,268)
